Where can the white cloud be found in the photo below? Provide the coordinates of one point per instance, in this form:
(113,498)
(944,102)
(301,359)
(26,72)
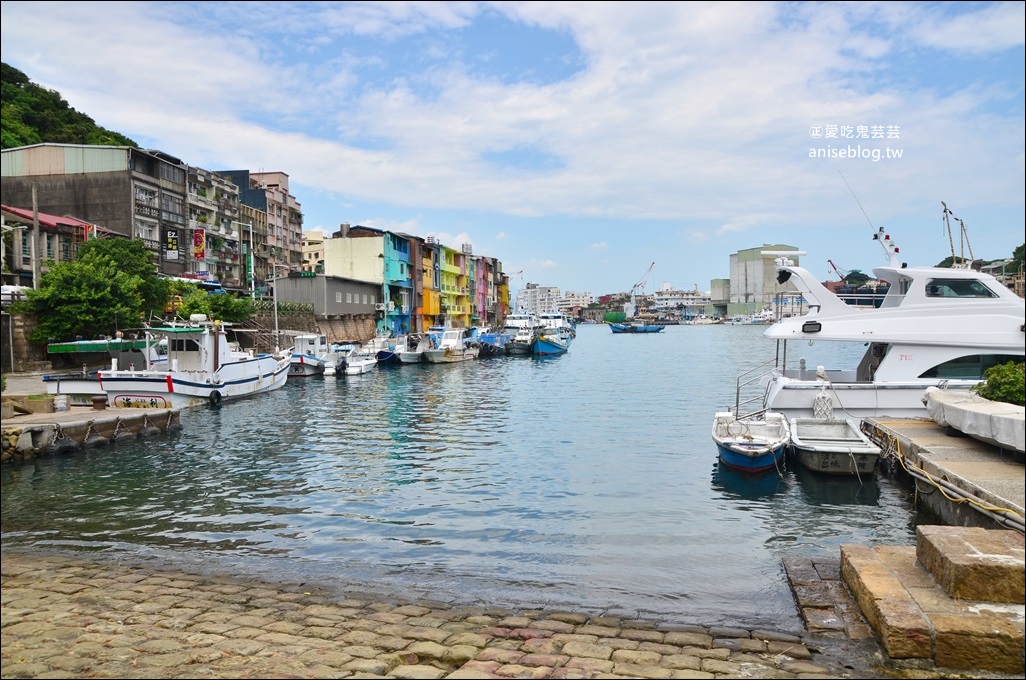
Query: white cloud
(692,113)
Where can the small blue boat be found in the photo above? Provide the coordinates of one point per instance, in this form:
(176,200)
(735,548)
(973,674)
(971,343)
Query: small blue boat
(636,327)
(493,344)
(751,444)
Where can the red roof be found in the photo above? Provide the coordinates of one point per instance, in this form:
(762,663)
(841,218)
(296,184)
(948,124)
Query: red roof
(51,221)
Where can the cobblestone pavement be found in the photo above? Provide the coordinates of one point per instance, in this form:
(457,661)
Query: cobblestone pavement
(66,616)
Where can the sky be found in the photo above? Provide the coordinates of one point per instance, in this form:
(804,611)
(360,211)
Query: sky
(590,146)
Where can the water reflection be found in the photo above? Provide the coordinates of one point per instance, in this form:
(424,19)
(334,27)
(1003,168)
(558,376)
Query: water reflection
(821,489)
(588,479)
(736,485)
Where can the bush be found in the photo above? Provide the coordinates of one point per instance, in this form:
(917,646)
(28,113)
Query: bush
(1005,383)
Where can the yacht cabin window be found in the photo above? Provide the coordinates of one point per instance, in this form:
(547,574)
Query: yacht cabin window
(969,367)
(960,288)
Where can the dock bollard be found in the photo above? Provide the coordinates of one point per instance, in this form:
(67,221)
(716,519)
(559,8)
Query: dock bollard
(99,402)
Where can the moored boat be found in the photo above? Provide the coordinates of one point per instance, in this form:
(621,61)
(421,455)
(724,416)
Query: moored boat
(521,328)
(554,335)
(833,446)
(81,386)
(935,327)
(202,367)
(636,327)
(453,347)
(358,360)
(751,444)
(493,344)
(309,355)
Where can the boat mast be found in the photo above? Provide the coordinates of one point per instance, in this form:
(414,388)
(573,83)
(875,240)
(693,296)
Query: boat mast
(959,261)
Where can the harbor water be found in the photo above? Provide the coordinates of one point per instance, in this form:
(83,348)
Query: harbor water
(587,482)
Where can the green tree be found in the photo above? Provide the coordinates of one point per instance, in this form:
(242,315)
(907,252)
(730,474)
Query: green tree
(30,114)
(856,278)
(227,308)
(112,286)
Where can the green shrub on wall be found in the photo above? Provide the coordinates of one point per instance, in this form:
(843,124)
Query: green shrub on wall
(1005,383)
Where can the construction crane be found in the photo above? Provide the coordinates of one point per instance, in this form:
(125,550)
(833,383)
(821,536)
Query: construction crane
(841,273)
(630,309)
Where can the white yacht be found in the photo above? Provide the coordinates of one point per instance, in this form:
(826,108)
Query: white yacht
(936,327)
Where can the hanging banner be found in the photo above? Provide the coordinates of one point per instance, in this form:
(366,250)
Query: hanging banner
(199,244)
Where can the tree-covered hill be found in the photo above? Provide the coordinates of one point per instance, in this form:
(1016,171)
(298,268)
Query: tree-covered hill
(30,114)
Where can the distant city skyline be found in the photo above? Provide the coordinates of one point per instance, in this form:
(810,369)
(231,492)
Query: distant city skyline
(578,142)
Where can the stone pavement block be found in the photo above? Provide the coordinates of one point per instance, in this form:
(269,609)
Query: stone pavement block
(417,672)
(975,564)
(630,670)
(979,642)
(587,650)
(902,628)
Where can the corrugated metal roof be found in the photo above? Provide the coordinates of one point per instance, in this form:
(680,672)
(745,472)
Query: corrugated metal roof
(47,220)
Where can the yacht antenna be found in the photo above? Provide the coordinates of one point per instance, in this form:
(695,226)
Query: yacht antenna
(871,225)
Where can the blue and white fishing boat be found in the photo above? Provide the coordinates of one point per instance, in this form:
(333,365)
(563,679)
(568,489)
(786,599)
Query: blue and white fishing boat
(751,444)
(309,356)
(202,367)
(554,336)
(636,327)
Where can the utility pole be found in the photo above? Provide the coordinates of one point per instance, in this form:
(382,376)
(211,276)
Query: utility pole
(35,237)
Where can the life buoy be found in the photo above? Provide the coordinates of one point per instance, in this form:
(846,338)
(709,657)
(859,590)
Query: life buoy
(215,398)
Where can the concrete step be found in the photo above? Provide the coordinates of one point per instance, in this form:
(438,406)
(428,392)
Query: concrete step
(972,563)
(917,620)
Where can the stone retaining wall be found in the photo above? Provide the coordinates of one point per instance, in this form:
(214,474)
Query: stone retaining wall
(23,442)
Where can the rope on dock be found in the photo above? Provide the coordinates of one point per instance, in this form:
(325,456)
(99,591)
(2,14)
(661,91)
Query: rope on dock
(891,446)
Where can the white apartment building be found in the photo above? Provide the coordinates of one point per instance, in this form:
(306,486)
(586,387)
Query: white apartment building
(535,299)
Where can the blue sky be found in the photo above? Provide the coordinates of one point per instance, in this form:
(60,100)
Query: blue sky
(578,142)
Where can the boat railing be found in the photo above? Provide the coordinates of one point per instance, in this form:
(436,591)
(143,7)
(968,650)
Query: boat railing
(745,397)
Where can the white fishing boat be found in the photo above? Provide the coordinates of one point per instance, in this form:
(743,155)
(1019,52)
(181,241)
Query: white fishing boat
(202,367)
(358,360)
(935,327)
(454,347)
(337,351)
(833,446)
(309,356)
(82,385)
(413,350)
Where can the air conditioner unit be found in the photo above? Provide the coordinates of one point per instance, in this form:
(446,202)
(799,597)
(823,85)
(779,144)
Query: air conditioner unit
(391,306)
(380,306)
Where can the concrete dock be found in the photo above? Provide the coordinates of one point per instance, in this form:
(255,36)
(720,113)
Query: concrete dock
(955,600)
(28,431)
